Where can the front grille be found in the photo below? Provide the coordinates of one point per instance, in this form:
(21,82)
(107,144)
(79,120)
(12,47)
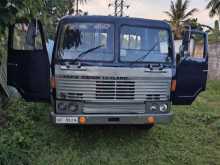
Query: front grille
(113,89)
(116,108)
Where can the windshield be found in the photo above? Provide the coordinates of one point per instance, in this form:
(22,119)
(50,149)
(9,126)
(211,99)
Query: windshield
(140,44)
(87,41)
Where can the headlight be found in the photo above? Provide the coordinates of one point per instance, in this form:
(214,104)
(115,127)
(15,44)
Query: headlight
(72,107)
(153,108)
(62,107)
(66,107)
(163,108)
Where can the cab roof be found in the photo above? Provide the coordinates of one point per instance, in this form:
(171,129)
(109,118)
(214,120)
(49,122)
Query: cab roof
(116,20)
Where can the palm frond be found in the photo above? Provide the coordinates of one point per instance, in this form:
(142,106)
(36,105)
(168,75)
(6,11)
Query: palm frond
(178,13)
(214,7)
(190,13)
(169,14)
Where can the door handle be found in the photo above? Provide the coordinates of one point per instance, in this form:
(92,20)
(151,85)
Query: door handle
(12,64)
(205,71)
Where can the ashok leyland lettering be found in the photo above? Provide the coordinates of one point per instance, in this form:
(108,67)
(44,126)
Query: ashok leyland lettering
(108,70)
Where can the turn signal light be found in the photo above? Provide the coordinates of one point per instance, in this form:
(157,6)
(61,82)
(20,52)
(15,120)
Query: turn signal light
(52,83)
(173,86)
(151,120)
(82,120)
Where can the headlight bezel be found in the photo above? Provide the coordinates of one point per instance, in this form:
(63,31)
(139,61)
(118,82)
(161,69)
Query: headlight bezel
(163,108)
(158,106)
(62,106)
(67,109)
(72,107)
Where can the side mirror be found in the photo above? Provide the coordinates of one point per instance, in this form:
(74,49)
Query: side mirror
(178,58)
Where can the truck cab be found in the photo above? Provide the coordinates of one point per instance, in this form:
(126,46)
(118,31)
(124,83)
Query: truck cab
(108,70)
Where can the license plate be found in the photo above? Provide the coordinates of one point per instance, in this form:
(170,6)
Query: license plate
(67,120)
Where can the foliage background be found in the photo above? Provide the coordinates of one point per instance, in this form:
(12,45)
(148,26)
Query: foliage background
(192,138)
(30,138)
(48,11)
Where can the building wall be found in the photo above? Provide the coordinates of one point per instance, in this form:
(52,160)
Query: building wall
(214,61)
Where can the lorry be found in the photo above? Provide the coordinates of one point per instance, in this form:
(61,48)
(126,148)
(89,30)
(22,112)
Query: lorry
(107,70)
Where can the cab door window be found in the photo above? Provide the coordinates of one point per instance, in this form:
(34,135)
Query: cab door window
(26,36)
(197,45)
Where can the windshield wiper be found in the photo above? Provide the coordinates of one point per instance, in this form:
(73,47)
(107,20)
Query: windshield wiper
(88,51)
(144,56)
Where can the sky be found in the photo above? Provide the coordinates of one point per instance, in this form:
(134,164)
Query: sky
(151,9)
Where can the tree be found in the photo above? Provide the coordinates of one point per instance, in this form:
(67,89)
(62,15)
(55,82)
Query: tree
(73,7)
(214,7)
(65,7)
(10,10)
(13,9)
(48,11)
(216,28)
(54,10)
(179,14)
(7,13)
(194,24)
(214,35)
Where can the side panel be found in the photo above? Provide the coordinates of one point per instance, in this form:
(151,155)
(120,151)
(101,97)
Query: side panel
(189,81)
(192,72)
(29,69)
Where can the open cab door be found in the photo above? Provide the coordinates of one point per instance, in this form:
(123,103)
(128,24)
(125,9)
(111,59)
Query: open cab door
(28,68)
(192,68)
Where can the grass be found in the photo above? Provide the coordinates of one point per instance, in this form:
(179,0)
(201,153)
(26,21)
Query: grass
(192,138)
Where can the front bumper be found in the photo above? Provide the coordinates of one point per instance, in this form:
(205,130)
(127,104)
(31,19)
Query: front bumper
(109,119)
